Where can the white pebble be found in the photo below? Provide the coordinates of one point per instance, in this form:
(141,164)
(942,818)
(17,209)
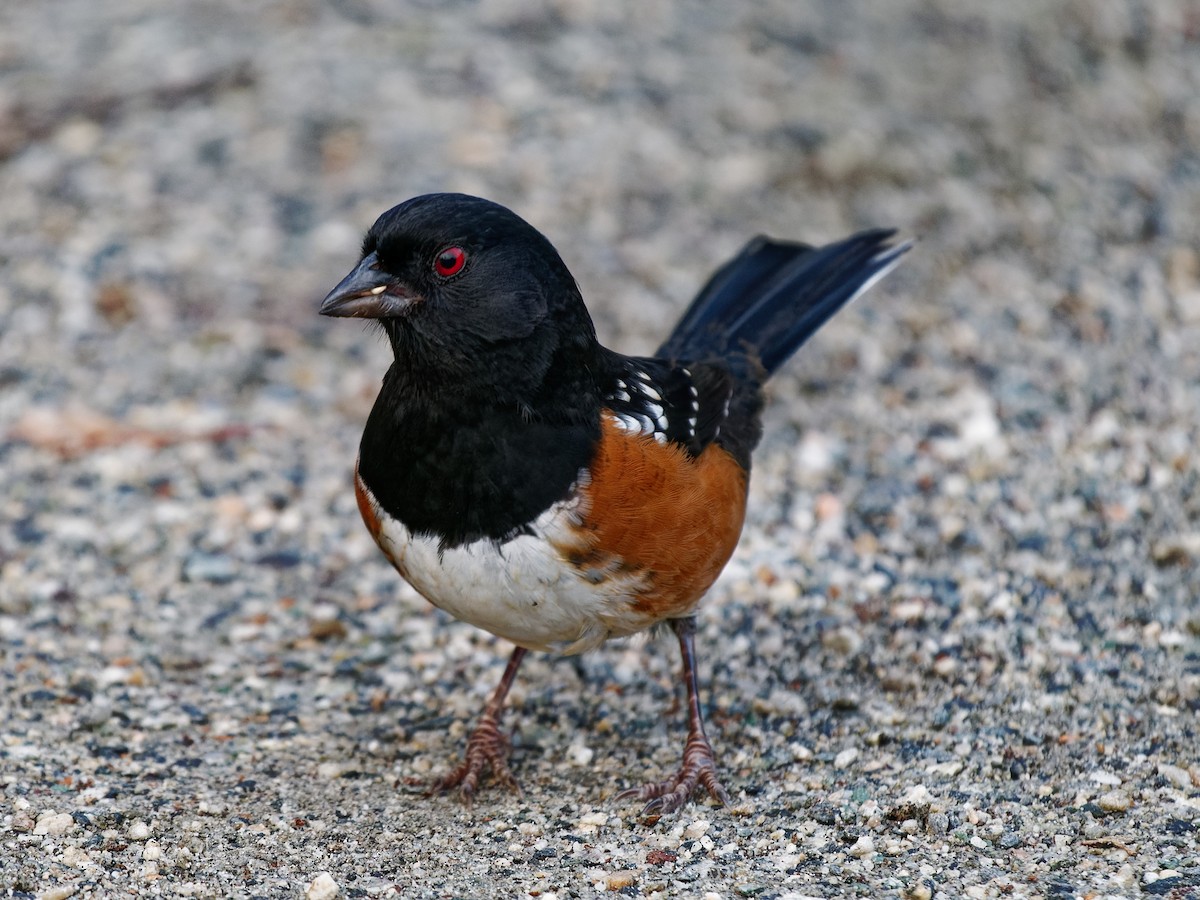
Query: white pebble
(843,641)
(58,892)
(1115,801)
(918,793)
(697,829)
(592,821)
(323,887)
(138,831)
(53,823)
(846,758)
(909,610)
(863,847)
(801,753)
(1152,876)
(1125,877)
(948,769)
(945,666)
(1178,776)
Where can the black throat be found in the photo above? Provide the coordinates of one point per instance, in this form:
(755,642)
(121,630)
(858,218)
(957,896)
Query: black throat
(480,451)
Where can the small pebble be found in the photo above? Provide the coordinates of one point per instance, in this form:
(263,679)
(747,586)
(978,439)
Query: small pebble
(1126,877)
(1115,801)
(697,829)
(592,821)
(1176,776)
(331,770)
(323,887)
(138,831)
(843,641)
(617,881)
(864,846)
(1152,877)
(214,568)
(54,824)
(908,610)
(945,666)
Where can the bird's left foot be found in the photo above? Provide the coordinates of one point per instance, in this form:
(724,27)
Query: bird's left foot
(487,748)
(698,769)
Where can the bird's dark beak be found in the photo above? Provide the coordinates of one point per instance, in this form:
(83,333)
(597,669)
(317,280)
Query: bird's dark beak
(368,293)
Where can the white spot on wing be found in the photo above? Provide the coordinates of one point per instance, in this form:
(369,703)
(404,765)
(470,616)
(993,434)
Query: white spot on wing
(628,423)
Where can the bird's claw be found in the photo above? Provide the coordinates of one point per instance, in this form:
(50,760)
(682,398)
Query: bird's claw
(487,747)
(699,769)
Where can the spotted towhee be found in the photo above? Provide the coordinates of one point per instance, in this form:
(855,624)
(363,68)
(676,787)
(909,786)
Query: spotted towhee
(527,480)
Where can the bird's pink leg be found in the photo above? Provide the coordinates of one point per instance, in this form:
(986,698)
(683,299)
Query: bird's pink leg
(487,746)
(698,766)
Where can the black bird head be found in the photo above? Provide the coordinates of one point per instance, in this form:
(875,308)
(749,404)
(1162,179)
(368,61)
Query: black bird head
(466,290)
(493,403)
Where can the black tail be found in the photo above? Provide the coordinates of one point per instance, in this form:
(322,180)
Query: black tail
(773,296)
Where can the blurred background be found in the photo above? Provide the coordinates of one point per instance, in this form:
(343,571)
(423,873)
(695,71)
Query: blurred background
(977,501)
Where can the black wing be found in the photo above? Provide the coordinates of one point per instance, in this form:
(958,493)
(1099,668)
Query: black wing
(684,403)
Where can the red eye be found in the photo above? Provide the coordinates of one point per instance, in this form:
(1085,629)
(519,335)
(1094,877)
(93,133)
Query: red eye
(450,261)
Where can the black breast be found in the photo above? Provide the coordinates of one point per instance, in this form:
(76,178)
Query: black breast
(471,472)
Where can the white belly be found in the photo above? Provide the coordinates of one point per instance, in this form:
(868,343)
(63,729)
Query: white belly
(522,590)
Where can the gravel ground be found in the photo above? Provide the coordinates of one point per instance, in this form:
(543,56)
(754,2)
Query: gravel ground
(958,651)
